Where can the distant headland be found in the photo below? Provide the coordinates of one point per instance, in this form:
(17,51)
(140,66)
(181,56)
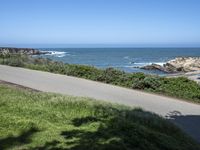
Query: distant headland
(27,51)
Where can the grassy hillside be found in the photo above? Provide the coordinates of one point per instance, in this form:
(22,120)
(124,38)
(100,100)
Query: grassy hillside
(33,120)
(176,87)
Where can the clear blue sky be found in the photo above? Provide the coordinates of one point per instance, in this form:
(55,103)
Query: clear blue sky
(106,22)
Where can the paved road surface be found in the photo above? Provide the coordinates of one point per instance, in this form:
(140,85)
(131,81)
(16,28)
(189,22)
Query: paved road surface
(184,114)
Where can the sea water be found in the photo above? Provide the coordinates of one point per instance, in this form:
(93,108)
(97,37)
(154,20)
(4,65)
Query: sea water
(126,59)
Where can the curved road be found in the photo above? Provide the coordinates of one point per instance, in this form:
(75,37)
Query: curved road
(185,115)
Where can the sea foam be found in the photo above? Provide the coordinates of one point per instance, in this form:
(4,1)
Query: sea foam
(57,53)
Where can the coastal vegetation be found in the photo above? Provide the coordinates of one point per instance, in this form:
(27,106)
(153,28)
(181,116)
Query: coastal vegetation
(35,120)
(179,87)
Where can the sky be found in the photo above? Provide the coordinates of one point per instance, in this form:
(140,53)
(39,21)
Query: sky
(139,23)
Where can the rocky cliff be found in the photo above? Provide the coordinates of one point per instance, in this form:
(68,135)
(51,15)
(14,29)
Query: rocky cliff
(179,64)
(27,51)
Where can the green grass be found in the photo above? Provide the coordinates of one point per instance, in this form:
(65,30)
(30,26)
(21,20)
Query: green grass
(180,87)
(33,120)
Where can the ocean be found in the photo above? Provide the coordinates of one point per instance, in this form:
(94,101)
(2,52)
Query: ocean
(126,59)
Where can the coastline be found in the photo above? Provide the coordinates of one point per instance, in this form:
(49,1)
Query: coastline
(125,59)
(149,100)
(72,56)
(24,51)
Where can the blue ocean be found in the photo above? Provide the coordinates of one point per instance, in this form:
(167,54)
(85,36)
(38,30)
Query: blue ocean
(126,59)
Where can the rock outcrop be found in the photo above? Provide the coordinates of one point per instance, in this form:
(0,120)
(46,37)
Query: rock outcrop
(154,67)
(27,51)
(179,64)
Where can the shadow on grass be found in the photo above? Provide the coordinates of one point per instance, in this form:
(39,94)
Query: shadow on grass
(22,139)
(123,130)
(189,123)
(114,129)
(81,121)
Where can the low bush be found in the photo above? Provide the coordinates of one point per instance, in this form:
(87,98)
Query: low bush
(152,82)
(87,72)
(14,60)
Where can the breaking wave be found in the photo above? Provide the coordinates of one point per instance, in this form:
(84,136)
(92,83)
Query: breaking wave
(141,64)
(57,53)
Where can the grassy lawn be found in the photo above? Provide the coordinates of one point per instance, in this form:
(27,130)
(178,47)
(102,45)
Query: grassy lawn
(34,120)
(181,87)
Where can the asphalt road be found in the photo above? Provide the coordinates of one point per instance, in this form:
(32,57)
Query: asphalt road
(185,115)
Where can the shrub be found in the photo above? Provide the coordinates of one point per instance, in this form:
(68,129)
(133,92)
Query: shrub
(152,82)
(83,71)
(16,63)
(138,84)
(15,60)
(149,82)
(110,75)
(137,75)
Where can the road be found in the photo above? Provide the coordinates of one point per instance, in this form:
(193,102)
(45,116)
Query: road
(185,115)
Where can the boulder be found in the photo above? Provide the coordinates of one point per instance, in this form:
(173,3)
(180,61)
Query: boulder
(179,64)
(156,67)
(186,64)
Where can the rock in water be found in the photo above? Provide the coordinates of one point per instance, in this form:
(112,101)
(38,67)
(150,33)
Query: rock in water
(179,64)
(153,67)
(186,64)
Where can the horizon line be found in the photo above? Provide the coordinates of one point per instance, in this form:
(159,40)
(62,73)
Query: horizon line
(103,47)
